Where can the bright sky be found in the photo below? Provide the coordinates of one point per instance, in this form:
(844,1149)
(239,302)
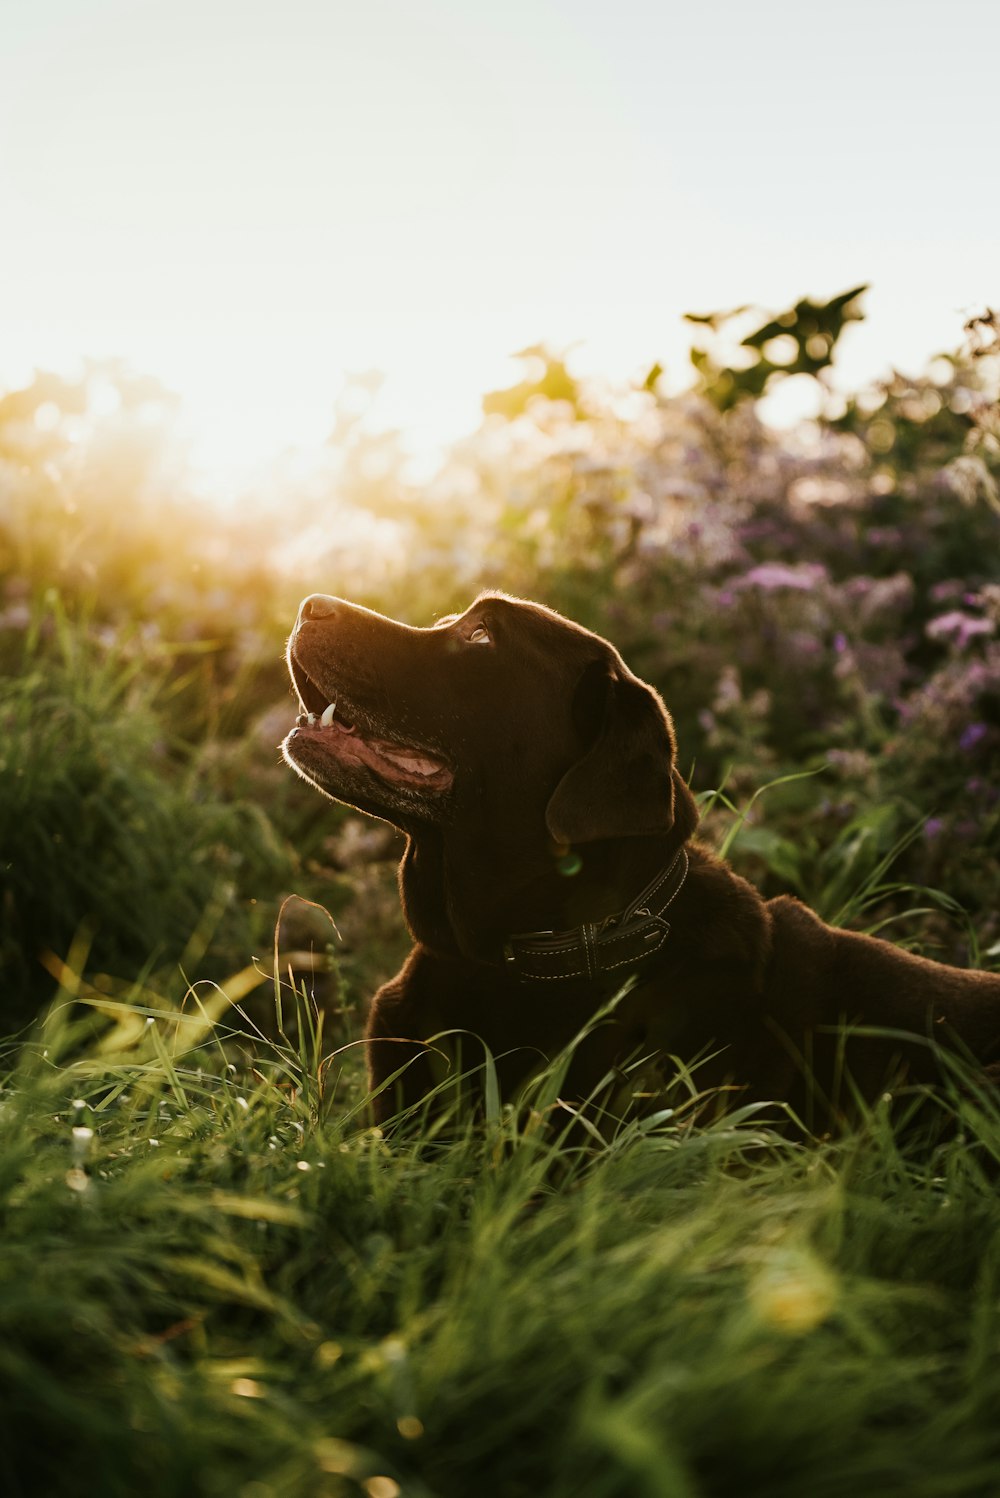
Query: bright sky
(248,198)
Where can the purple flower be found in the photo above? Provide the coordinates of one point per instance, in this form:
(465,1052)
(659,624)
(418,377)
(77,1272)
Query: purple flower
(958,627)
(971,736)
(768,576)
(840,642)
(933,828)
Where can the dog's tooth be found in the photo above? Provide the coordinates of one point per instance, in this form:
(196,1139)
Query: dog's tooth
(327,716)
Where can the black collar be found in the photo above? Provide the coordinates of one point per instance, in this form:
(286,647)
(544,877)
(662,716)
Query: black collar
(617,942)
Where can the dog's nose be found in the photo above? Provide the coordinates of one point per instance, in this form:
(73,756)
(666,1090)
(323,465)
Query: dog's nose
(317,606)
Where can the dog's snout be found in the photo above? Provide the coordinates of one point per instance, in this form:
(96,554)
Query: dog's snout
(318,606)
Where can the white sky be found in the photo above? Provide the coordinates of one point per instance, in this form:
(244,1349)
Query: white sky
(248,198)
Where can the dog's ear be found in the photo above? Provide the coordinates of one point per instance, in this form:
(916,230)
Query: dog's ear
(625,784)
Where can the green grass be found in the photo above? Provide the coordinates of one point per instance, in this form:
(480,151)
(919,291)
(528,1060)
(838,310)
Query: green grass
(111,831)
(215,1278)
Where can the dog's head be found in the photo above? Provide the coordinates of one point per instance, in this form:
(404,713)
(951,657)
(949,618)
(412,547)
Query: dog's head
(508,719)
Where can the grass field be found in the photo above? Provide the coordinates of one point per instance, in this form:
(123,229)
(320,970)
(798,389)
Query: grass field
(215,1278)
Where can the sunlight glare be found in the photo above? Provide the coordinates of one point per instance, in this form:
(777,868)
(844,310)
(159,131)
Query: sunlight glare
(238,419)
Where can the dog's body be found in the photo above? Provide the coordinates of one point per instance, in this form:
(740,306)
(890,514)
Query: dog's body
(549,863)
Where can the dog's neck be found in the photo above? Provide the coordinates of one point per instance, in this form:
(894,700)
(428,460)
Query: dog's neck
(457,912)
(422,893)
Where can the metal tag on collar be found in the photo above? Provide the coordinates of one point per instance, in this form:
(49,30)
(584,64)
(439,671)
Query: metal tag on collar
(657,927)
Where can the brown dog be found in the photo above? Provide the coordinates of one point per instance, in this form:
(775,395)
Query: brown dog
(549,865)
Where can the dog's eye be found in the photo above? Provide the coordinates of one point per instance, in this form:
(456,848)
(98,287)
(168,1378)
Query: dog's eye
(480,635)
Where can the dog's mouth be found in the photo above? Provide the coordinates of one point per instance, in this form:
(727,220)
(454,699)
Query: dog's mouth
(332,735)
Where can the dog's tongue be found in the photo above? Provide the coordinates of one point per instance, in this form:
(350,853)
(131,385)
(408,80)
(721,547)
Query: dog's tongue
(394,762)
(408,759)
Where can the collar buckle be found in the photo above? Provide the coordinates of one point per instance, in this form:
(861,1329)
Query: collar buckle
(618,942)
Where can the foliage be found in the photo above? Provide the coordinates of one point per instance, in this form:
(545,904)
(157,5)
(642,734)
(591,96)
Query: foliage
(800,341)
(214,1278)
(826,598)
(547,379)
